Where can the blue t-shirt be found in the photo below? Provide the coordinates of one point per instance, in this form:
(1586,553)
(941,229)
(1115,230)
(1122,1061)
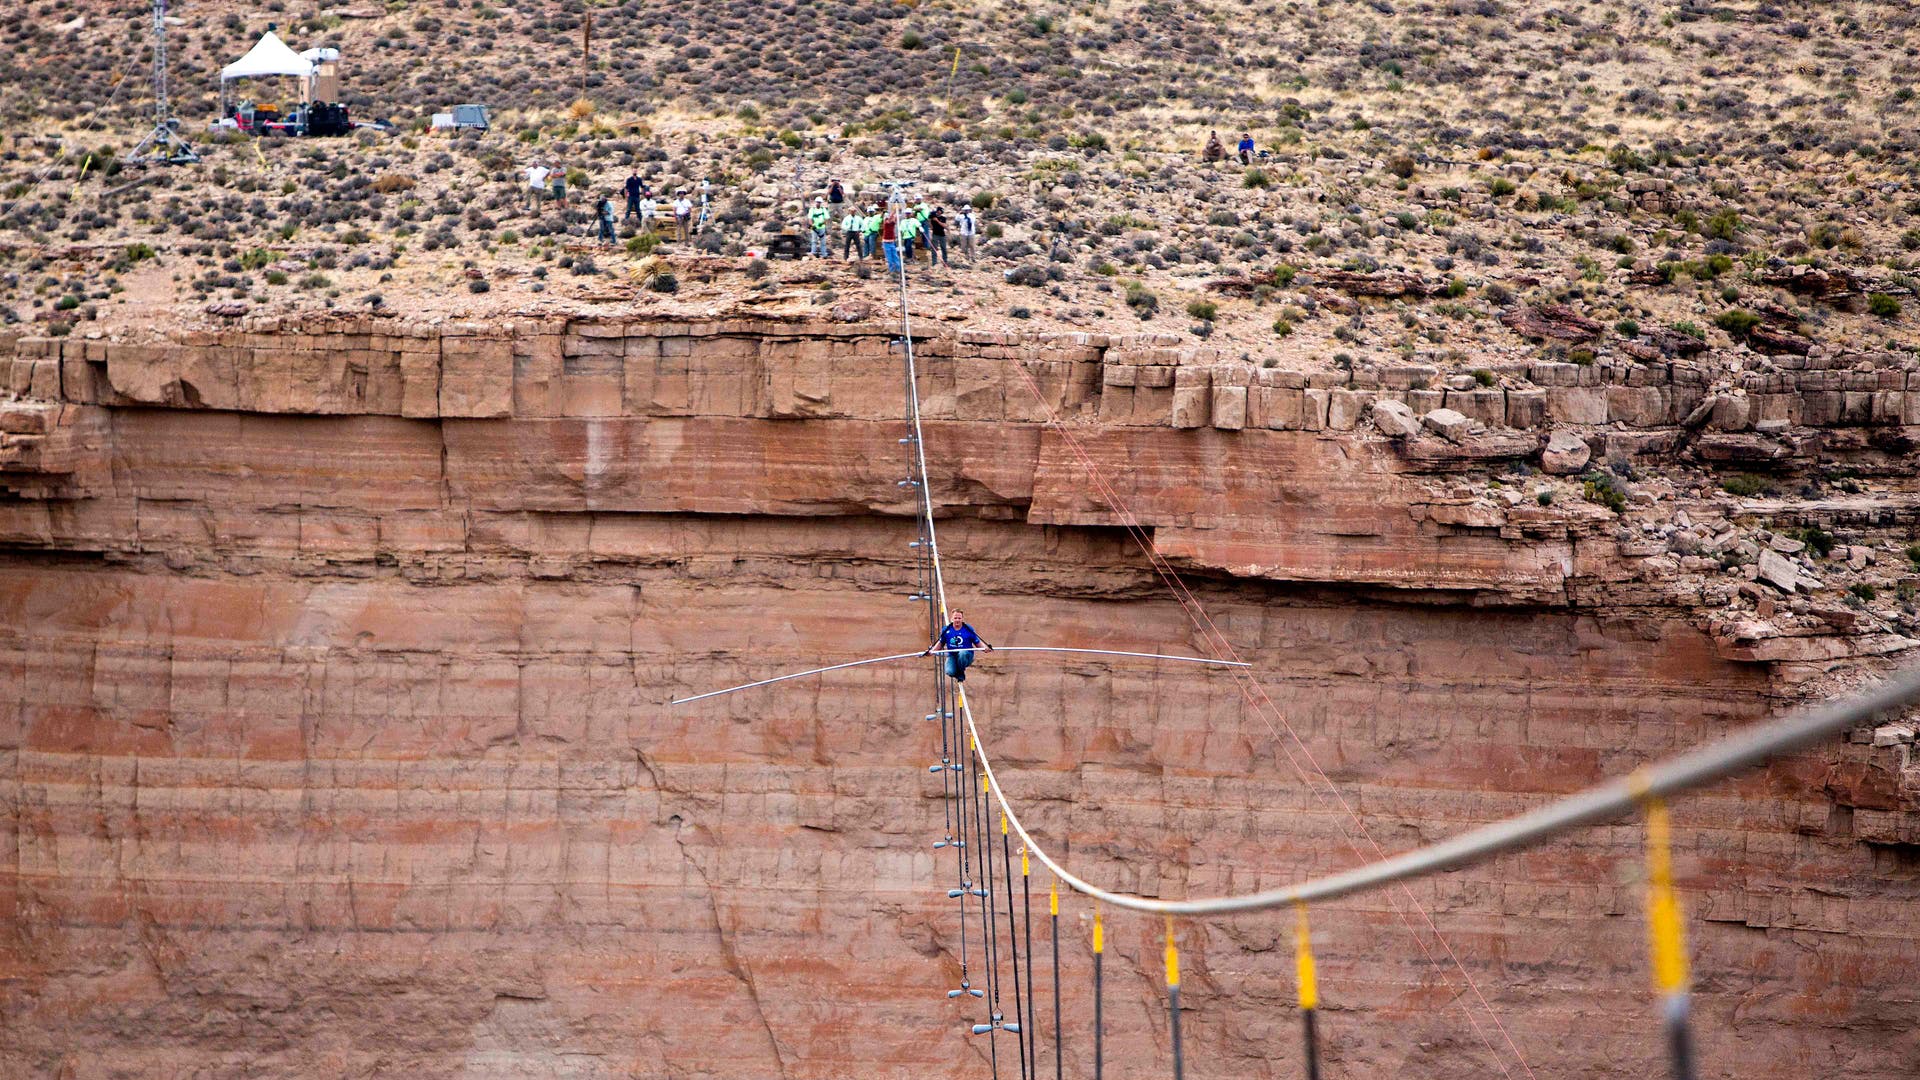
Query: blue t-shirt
(959,637)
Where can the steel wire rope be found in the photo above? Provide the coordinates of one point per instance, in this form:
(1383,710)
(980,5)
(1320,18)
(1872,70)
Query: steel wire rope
(1210,632)
(1595,804)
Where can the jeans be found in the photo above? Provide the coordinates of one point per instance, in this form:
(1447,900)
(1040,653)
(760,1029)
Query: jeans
(892,251)
(606,230)
(866,245)
(939,249)
(633,209)
(906,249)
(818,245)
(958,663)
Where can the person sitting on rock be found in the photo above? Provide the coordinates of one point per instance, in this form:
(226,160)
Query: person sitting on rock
(1215,150)
(957,640)
(1246,148)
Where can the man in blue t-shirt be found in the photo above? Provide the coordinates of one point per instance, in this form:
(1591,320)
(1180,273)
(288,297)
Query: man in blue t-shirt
(957,640)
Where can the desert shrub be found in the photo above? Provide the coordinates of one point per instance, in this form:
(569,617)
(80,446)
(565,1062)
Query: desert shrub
(1737,322)
(1606,489)
(1142,300)
(1401,165)
(1283,275)
(984,200)
(1256,178)
(664,282)
(1886,307)
(1282,327)
(392,183)
(1817,539)
(1862,592)
(1482,376)
(1745,485)
(1501,187)
(1627,328)
(1203,309)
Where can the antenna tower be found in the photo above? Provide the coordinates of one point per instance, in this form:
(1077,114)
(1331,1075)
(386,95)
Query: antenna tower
(163,144)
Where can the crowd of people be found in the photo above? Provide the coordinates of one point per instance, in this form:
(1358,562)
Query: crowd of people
(893,231)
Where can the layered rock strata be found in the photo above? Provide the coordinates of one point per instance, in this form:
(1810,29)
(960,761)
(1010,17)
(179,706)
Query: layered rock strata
(335,659)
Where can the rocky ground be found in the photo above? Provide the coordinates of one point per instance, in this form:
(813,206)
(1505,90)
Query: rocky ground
(1458,187)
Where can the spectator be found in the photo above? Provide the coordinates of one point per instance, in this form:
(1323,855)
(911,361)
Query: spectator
(870,232)
(648,211)
(536,185)
(604,211)
(937,238)
(1214,150)
(851,228)
(633,195)
(890,239)
(835,193)
(682,215)
(1246,148)
(558,178)
(967,227)
(817,220)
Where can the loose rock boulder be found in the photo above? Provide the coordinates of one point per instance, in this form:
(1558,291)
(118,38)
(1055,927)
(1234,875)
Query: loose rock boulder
(1565,453)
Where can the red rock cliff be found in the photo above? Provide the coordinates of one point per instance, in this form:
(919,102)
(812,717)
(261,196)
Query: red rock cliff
(334,660)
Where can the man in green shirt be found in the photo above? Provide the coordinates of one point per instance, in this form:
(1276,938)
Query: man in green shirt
(870,232)
(817,219)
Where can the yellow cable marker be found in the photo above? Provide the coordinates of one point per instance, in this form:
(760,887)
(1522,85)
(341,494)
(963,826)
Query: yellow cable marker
(1303,961)
(1173,958)
(1023,862)
(1667,936)
(1053,900)
(84,166)
(1099,937)
(1003,823)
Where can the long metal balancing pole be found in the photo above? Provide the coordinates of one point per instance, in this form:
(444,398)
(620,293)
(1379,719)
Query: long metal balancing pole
(1208,661)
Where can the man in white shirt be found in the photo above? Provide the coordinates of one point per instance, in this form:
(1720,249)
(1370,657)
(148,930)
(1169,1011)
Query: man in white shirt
(682,215)
(966,229)
(648,211)
(536,185)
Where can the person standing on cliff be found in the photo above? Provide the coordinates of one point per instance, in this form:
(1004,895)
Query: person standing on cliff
(957,640)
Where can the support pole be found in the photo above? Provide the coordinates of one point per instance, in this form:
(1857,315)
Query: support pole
(1099,1023)
(1666,937)
(1053,908)
(1309,989)
(1013,940)
(1173,1000)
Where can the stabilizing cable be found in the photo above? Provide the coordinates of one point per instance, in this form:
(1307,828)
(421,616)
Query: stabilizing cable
(1099,1022)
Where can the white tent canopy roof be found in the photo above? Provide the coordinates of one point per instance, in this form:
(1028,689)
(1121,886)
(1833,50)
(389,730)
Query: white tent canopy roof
(270,57)
(319,55)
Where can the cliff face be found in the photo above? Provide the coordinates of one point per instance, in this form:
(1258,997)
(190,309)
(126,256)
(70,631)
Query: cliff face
(335,656)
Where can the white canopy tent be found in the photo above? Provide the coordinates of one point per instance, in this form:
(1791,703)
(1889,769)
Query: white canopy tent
(270,57)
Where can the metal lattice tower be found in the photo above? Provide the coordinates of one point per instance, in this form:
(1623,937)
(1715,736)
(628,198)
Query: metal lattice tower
(162,144)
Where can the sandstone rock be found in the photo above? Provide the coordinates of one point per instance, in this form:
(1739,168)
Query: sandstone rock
(1565,453)
(1448,424)
(1556,321)
(1382,283)
(1394,419)
(1786,545)
(1777,571)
